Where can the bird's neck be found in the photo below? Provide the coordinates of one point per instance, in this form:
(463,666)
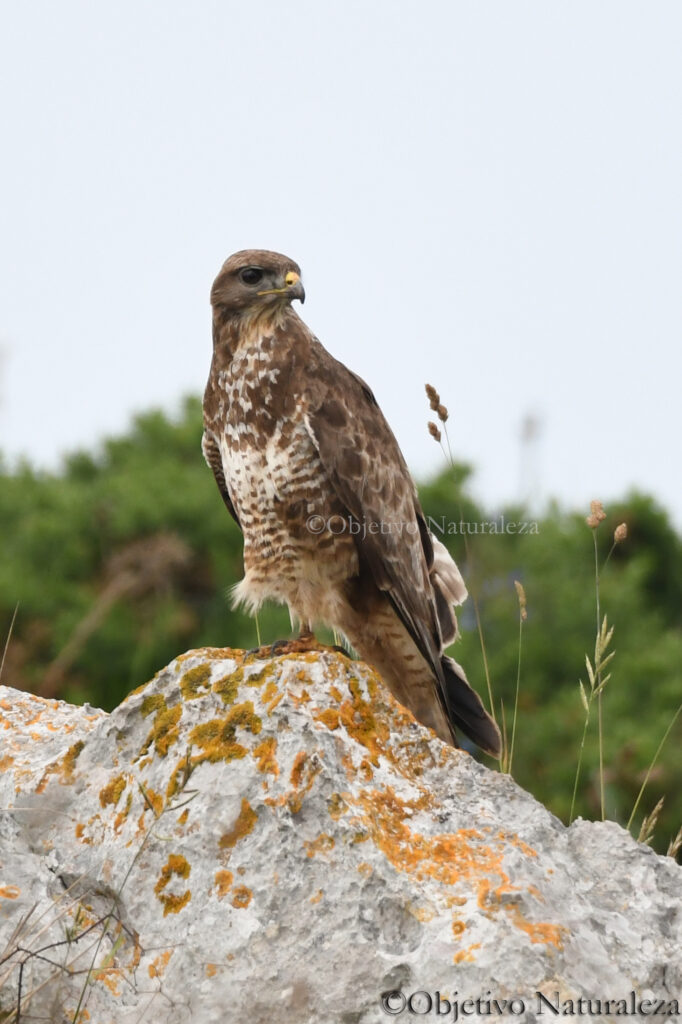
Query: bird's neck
(236,332)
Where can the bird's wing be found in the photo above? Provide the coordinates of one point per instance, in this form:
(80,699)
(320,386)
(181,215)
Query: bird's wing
(368,473)
(209,447)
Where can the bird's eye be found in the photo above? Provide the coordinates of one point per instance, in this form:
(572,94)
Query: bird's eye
(251,275)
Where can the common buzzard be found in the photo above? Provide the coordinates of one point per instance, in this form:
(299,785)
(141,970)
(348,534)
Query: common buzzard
(310,470)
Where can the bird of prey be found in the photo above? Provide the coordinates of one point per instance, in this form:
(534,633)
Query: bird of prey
(310,470)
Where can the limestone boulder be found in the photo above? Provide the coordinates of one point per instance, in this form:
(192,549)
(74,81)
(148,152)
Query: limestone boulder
(278,840)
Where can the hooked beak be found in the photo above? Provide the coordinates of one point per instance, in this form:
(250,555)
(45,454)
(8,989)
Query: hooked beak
(293,287)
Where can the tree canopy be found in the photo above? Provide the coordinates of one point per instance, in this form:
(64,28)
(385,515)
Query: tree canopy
(125,558)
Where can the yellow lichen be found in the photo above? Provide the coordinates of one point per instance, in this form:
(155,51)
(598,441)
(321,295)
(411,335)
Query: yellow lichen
(336,806)
(153,800)
(65,766)
(111,793)
(223,881)
(164,731)
(241,896)
(227,686)
(270,692)
(265,756)
(195,682)
(216,738)
(175,865)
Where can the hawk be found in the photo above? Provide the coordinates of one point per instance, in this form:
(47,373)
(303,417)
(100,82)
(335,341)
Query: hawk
(311,472)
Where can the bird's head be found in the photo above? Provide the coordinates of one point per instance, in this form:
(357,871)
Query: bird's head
(256,281)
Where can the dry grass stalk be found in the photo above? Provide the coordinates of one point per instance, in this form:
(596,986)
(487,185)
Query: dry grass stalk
(646,832)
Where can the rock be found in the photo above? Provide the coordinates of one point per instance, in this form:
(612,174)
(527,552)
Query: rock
(261,841)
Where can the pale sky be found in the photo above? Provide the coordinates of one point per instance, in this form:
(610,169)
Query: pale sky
(486,196)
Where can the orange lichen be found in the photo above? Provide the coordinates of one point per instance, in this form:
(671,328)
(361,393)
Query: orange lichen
(111,978)
(241,897)
(223,881)
(244,824)
(158,966)
(175,865)
(358,718)
(9,892)
(538,931)
(265,756)
(423,913)
(196,682)
(317,897)
(6,762)
(466,956)
(111,793)
(365,869)
(457,928)
(304,771)
(335,693)
(323,844)
(80,834)
(65,767)
(123,814)
(459,857)
(211,970)
(297,769)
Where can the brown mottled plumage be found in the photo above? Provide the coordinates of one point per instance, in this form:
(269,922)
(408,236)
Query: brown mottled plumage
(310,470)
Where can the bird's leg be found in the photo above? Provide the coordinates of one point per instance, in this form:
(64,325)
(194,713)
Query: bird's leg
(305,642)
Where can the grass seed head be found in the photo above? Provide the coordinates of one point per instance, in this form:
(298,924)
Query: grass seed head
(434,431)
(433,397)
(521,593)
(597,515)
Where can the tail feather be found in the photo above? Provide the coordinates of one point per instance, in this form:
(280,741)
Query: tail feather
(466,711)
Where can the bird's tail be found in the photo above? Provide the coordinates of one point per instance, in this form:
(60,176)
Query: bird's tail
(466,711)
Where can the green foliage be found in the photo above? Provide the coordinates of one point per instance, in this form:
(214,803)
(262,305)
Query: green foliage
(125,559)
